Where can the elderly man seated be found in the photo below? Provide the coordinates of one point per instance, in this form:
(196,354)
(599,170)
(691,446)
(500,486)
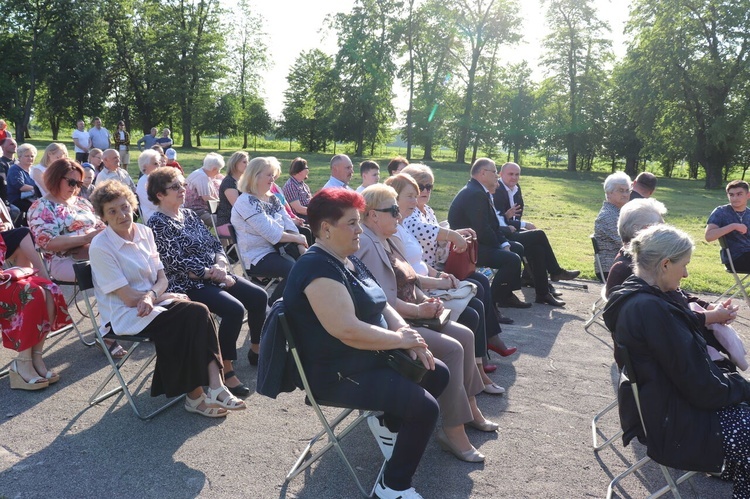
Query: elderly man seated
(203,185)
(112,170)
(342,170)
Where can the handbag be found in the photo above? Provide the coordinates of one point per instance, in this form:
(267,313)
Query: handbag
(16,274)
(456,300)
(462,265)
(435,323)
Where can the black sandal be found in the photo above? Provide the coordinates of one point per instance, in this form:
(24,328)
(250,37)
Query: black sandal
(238,391)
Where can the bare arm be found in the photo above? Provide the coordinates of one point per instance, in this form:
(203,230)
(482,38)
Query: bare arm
(298,208)
(714,232)
(232,195)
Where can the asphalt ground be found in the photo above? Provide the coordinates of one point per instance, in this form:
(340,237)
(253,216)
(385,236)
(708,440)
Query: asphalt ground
(54,445)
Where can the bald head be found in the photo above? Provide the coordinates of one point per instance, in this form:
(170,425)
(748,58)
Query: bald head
(509,174)
(9,147)
(111,159)
(342,168)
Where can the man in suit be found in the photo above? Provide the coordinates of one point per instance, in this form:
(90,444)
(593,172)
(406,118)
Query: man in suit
(537,249)
(472,208)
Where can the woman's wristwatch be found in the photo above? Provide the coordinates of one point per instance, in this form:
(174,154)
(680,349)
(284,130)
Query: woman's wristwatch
(154,292)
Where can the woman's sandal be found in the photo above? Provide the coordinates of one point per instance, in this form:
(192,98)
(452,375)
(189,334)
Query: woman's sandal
(191,405)
(229,402)
(50,376)
(115,349)
(18,383)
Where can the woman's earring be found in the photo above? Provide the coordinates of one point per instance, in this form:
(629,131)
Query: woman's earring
(328,235)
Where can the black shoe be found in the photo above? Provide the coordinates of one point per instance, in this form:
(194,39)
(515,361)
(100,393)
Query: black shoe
(553,291)
(252,357)
(503,319)
(550,300)
(239,390)
(512,301)
(565,275)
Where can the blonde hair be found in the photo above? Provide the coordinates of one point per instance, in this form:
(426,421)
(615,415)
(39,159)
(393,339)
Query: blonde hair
(657,243)
(401,181)
(233,160)
(50,149)
(375,195)
(419,172)
(249,180)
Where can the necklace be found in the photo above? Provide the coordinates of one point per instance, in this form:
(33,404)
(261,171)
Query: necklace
(331,252)
(741,216)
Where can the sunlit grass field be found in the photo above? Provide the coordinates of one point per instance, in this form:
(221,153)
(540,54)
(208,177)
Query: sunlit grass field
(562,203)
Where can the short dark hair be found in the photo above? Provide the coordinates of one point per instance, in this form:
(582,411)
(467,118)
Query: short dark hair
(57,171)
(297,165)
(393,165)
(738,183)
(159,180)
(368,165)
(328,205)
(647,180)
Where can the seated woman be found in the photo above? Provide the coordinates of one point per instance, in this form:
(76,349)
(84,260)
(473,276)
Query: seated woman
(195,264)
(52,153)
(300,222)
(30,309)
(228,192)
(708,422)
(434,239)
(131,292)
(22,190)
(340,332)
(18,247)
(384,257)
(262,224)
(473,316)
(616,194)
(296,191)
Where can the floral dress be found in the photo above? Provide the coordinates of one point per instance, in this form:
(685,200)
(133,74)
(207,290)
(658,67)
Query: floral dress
(24,321)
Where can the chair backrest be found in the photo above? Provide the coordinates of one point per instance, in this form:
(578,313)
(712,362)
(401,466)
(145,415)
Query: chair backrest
(598,262)
(83,275)
(630,373)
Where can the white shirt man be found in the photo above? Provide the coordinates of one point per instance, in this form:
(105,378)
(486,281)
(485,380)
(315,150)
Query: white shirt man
(342,170)
(112,170)
(81,142)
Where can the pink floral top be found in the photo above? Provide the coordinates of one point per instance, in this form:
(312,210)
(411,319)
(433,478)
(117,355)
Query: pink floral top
(48,219)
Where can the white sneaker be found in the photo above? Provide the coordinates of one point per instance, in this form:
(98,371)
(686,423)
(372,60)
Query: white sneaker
(383,492)
(385,438)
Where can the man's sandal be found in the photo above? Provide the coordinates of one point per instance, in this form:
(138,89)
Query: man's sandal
(209,412)
(229,401)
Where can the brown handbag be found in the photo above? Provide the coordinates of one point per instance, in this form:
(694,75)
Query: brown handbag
(462,265)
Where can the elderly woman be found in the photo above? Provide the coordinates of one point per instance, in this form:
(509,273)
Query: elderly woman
(695,415)
(148,161)
(339,332)
(296,191)
(22,190)
(31,308)
(616,193)
(203,186)
(195,264)
(262,224)
(52,153)
(434,239)
(473,316)
(131,292)
(383,255)
(228,192)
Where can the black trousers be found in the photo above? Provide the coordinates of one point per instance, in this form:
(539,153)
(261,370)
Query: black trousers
(508,265)
(538,252)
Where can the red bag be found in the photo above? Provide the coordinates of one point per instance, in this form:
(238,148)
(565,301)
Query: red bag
(463,264)
(15,274)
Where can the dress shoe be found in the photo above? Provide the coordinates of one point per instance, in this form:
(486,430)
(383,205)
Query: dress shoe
(504,352)
(470,456)
(485,425)
(513,301)
(489,368)
(493,389)
(565,275)
(252,357)
(503,319)
(553,291)
(550,300)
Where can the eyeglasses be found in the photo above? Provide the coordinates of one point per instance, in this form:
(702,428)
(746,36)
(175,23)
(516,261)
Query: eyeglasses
(425,187)
(177,186)
(393,210)
(73,182)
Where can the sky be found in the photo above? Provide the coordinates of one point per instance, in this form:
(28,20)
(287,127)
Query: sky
(293,26)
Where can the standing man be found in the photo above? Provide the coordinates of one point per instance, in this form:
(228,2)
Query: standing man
(472,208)
(165,141)
(81,142)
(100,136)
(342,170)
(147,141)
(732,222)
(122,144)
(644,186)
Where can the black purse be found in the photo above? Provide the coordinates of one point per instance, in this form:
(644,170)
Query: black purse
(397,359)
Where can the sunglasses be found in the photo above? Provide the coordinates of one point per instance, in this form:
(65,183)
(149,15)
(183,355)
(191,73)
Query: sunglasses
(425,187)
(73,182)
(393,210)
(177,186)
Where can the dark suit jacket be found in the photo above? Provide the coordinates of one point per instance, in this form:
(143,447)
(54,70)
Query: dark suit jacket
(471,208)
(502,204)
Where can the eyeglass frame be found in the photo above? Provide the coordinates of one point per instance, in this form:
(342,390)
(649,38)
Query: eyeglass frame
(394,210)
(427,187)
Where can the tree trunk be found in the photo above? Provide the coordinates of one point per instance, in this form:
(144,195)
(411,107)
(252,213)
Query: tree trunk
(244,140)
(197,140)
(463,140)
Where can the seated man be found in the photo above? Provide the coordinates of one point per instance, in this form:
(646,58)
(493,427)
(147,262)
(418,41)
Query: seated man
(370,173)
(644,186)
(341,172)
(509,205)
(112,170)
(473,208)
(731,221)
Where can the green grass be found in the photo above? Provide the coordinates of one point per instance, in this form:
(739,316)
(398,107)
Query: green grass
(562,203)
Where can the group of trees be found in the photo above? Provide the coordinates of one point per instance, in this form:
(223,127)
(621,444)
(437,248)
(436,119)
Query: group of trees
(680,94)
(148,62)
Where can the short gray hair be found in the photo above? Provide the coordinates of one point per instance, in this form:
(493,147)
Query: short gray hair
(145,157)
(213,161)
(617,178)
(638,214)
(657,243)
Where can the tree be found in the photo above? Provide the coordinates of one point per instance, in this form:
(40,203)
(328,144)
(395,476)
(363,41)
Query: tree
(703,70)
(576,52)
(518,126)
(310,100)
(479,22)
(256,120)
